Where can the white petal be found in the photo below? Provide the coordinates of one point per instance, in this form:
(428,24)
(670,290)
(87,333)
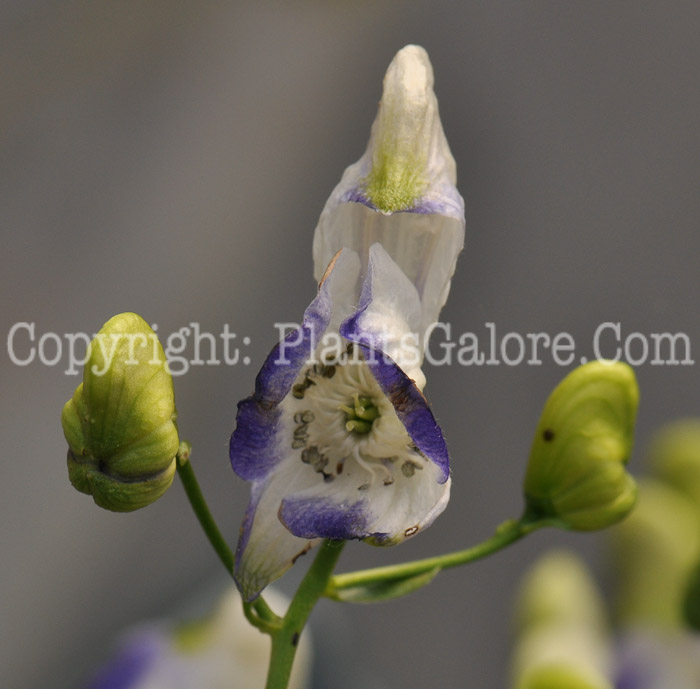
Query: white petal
(382,506)
(270,550)
(407,158)
(392,316)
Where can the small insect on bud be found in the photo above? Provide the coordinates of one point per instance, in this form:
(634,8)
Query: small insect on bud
(576,474)
(120,423)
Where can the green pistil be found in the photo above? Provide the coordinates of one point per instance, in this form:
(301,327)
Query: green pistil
(360,416)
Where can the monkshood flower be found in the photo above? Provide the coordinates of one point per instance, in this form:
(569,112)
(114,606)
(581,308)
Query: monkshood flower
(219,652)
(402,192)
(337,440)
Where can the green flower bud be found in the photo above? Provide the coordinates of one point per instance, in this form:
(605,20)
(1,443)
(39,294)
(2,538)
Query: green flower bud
(558,590)
(563,637)
(655,549)
(675,457)
(120,423)
(576,475)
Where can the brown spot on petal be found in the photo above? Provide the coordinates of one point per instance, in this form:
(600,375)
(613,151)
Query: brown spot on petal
(299,554)
(331,265)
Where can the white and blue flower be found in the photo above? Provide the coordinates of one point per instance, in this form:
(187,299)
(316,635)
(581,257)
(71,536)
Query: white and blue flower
(220,651)
(338,441)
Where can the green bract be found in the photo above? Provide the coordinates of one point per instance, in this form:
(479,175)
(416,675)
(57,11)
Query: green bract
(576,474)
(120,423)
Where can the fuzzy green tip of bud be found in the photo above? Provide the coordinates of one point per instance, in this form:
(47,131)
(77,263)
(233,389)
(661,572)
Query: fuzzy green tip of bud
(120,423)
(394,185)
(576,474)
(406,129)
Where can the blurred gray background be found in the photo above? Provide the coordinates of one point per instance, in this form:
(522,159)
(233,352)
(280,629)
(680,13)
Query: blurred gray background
(172,159)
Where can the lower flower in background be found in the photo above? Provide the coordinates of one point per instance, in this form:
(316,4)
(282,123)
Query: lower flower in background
(658,659)
(563,636)
(219,652)
(337,440)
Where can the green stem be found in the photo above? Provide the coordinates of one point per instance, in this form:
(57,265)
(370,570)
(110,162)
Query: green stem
(507,533)
(286,639)
(201,509)
(266,619)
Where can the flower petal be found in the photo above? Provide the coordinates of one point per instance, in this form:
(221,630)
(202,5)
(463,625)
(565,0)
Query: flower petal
(402,191)
(257,447)
(134,661)
(389,315)
(266,549)
(385,514)
(252,447)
